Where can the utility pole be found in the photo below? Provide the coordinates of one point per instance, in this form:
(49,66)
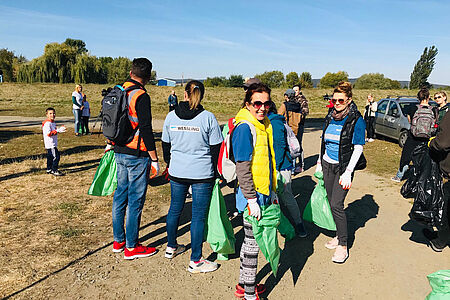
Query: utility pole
(182,78)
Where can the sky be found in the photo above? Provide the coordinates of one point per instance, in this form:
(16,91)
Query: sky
(199,39)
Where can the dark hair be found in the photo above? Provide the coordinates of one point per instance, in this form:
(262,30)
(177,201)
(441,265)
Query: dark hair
(195,91)
(299,86)
(255,88)
(50,108)
(273,108)
(423,94)
(142,68)
(344,87)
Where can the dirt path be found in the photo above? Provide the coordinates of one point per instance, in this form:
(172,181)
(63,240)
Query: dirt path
(384,263)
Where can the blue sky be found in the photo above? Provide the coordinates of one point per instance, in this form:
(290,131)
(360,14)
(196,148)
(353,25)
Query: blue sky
(219,38)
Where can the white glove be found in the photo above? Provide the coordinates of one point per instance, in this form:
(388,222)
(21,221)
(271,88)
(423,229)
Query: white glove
(346,180)
(253,208)
(318,167)
(108,147)
(154,169)
(61,129)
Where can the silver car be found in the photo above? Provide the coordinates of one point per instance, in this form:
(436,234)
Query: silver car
(391,117)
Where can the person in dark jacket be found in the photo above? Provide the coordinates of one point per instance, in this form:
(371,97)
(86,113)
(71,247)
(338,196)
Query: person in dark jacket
(173,101)
(284,166)
(441,99)
(191,145)
(439,150)
(133,160)
(341,153)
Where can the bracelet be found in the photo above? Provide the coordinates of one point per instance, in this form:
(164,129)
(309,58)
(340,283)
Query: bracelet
(154,160)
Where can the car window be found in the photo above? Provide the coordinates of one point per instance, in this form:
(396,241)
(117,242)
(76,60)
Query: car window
(406,107)
(393,109)
(382,106)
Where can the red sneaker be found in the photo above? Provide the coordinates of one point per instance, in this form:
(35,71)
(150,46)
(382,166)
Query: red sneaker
(118,247)
(139,251)
(240,291)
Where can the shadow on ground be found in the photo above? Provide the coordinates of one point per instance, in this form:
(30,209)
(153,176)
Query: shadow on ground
(6,135)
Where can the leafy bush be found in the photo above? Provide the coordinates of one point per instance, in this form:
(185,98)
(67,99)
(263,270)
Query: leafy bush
(376,81)
(332,79)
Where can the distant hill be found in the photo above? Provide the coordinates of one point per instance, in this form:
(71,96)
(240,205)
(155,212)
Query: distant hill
(404,84)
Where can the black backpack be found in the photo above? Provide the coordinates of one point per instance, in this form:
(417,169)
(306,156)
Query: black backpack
(115,120)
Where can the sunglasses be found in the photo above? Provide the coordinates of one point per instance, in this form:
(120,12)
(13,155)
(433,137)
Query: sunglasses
(437,97)
(259,104)
(341,101)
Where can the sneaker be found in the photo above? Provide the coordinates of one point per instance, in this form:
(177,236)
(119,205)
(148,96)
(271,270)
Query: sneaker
(332,244)
(49,171)
(432,239)
(57,173)
(298,170)
(301,230)
(396,179)
(139,251)
(340,255)
(371,140)
(172,252)
(202,266)
(118,247)
(240,291)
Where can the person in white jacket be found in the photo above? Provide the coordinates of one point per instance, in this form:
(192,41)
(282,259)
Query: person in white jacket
(369,117)
(50,133)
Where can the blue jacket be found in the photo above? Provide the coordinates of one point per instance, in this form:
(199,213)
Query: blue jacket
(282,156)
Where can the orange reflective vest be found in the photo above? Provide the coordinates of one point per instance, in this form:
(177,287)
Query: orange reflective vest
(132,116)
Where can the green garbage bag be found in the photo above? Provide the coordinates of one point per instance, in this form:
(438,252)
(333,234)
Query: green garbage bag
(318,209)
(105,178)
(440,284)
(265,232)
(218,229)
(285,228)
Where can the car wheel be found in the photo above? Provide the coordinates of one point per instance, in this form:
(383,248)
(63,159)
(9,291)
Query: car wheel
(402,138)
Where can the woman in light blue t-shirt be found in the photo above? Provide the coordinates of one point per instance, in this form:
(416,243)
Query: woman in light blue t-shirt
(77,107)
(191,143)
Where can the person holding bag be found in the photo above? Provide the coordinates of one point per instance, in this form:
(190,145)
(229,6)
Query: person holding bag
(191,143)
(256,175)
(341,154)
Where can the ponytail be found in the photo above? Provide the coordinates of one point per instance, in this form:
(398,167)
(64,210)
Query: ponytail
(195,91)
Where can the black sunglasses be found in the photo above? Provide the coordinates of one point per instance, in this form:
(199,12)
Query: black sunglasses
(259,104)
(341,101)
(437,97)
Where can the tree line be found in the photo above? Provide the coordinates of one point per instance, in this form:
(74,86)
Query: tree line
(70,62)
(66,62)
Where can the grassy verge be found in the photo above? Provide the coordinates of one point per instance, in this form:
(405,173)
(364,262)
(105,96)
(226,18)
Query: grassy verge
(49,221)
(31,100)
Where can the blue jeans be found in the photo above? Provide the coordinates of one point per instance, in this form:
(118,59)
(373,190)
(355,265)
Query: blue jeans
(201,197)
(129,196)
(77,115)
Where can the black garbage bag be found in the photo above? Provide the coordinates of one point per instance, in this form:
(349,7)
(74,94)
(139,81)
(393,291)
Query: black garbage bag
(425,186)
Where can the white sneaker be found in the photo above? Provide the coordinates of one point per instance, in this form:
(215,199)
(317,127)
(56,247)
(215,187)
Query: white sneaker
(371,140)
(203,266)
(332,244)
(172,252)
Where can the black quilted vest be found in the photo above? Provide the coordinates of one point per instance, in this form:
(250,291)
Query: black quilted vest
(345,144)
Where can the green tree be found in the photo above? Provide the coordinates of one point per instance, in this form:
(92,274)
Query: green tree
(6,64)
(376,81)
(215,81)
(119,69)
(306,80)
(423,68)
(332,79)
(235,81)
(292,79)
(273,79)
(78,44)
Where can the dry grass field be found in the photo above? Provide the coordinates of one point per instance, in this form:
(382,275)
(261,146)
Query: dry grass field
(31,100)
(48,222)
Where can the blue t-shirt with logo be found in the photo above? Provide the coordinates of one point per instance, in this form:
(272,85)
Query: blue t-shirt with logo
(190,140)
(333,133)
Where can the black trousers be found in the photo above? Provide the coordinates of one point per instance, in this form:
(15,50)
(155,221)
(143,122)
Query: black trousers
(85,124)
(301,130)
(52,159)
(444,232)
(336,196)
(370,127)
(411,143)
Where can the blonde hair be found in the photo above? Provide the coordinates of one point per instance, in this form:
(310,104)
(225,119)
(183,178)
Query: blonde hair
(442,93)
(195,91)
(77,86)
(344,87)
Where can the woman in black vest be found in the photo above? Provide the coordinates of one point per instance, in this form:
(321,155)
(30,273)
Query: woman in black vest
(341,154)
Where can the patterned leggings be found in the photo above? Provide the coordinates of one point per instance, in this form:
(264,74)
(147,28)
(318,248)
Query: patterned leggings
(249,262)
